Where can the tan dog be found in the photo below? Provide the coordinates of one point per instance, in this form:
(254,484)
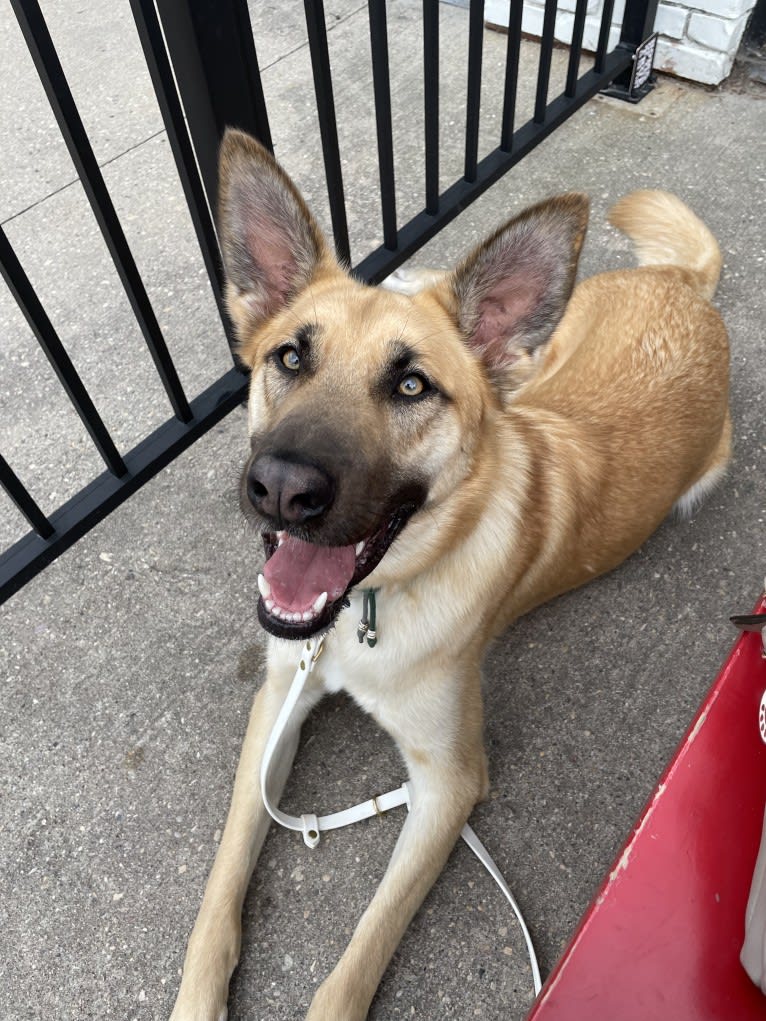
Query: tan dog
(468,451)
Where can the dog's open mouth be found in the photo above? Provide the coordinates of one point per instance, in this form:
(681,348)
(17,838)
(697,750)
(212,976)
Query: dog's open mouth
(303,586)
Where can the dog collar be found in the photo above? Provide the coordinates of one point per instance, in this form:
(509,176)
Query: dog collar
(312,826)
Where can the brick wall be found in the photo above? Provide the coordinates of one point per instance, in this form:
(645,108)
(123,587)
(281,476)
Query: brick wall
(698,38)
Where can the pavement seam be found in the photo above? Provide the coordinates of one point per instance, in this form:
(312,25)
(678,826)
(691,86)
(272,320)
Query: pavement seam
(303,46)
(76,180)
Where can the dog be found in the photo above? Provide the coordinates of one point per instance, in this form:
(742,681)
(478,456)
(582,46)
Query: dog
(468,450)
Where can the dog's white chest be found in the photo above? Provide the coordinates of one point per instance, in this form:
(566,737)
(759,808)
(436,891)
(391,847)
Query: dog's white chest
(349,665)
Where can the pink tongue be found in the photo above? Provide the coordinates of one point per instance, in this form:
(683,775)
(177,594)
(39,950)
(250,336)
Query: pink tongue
(298,573)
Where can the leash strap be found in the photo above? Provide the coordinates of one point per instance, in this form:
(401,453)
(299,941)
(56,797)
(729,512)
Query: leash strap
(312,826)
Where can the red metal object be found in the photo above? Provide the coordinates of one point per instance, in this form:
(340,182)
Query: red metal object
(662,937)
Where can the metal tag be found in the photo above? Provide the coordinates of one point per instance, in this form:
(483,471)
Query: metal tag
(762,718)
(643,63)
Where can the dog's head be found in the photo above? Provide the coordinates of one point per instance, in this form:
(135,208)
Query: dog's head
(368,409)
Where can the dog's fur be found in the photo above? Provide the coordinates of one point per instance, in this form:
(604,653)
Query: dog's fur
(516,438)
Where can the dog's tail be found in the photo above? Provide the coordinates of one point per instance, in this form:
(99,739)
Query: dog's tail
(666,232)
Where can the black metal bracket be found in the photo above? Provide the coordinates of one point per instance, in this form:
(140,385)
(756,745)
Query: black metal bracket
(639,80)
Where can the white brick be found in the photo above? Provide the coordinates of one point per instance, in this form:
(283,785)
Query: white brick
(617,12)
(693,62)
(497,12)
(590,35)
(723,8)
(716,33)
(532,19)
(532,23)
(569,5)
(671,21)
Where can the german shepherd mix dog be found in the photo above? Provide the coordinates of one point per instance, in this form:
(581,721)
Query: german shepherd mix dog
(469,451)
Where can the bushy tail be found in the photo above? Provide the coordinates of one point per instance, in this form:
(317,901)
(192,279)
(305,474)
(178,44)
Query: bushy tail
(666,232)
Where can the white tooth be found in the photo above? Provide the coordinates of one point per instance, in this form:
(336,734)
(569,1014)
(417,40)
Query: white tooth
(307,615)
(269,604)
(263,585)
(297,616)
(319,603)
(280,537)
(359,547)
(277,611)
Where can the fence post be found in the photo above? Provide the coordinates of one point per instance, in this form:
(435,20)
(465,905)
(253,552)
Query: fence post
(637,25)
(210,44)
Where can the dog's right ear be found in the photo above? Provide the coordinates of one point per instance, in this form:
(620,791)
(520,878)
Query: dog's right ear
(270,242)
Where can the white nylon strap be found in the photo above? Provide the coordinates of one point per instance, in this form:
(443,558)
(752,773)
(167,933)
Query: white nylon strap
(311,826)
(469,835)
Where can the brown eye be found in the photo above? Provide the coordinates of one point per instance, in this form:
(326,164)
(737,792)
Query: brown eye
(411,386)
(290,358)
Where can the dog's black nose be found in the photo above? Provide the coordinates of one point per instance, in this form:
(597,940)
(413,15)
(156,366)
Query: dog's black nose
(288,492)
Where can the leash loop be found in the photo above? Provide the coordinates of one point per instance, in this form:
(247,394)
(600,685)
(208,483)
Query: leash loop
(312,826)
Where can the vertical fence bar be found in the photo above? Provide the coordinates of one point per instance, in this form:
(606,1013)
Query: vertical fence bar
(603,35)
(511,75)
(546,55)
(150,35)
(382,87)
(431,101)
(15,488)
(51,74)
(211,48)
(48,339)
(473,97)
(575,51)
(328,128)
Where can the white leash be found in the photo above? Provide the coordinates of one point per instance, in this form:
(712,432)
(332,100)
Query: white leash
(311,825)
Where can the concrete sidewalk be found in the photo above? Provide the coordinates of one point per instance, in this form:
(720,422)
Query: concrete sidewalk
(128,666)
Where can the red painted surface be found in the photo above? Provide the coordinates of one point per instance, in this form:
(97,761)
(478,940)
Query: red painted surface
(662,938)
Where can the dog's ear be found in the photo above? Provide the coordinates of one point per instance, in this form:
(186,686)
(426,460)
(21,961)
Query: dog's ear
(511,292)
(270,242)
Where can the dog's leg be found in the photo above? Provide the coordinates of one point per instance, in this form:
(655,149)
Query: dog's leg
(438,729)
(213,949)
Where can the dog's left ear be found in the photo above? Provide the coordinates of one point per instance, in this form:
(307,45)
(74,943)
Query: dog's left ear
(511,291)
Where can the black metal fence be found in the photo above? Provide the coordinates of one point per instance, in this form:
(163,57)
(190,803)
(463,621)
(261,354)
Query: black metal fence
(202,59)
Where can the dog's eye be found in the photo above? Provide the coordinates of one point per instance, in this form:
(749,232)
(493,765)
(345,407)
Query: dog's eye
(412,386)
(290,358)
